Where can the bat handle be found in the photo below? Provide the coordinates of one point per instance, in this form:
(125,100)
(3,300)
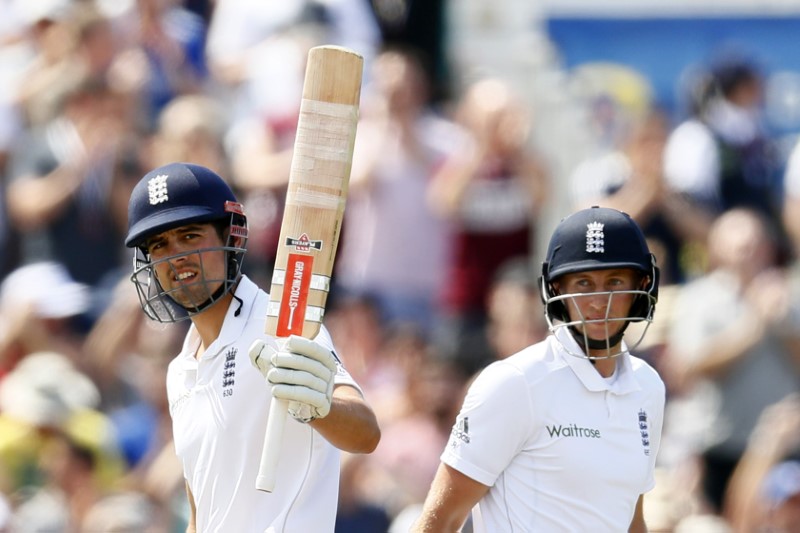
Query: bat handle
(268,469)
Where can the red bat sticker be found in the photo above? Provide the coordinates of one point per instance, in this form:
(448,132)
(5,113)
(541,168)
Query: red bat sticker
(292,311)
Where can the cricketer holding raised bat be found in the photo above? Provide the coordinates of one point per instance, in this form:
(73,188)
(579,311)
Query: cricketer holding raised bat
(563,436)
(189,236)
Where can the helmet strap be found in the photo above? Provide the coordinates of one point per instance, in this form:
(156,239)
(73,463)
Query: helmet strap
(219,293)
(581,339)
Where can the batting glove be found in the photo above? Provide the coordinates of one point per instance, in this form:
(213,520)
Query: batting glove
(301,372)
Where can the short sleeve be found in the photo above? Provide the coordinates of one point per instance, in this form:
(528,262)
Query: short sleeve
(342,377)
(492,426)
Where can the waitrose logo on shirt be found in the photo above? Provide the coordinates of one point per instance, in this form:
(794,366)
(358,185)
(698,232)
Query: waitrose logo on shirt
(573,431)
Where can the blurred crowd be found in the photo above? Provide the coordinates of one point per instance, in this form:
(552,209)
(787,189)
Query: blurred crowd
(436,274)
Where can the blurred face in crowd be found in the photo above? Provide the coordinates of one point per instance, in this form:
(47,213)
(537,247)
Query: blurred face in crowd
(401,81)
(496,116)
(739,243)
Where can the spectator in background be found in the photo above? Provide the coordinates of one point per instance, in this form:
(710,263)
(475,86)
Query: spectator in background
(5,514)
(432,395)
(157,53)
(764,491)
(13,43)
(190,128)
(422,26)
(9,235)
(791,200)
(782,495)
(516,313)
(721,156)
(63,182)
(395,247)
(252,43)
(40,304)
(124,512)
(70,488)
(733,346)
(357,512)
(48,45)
(630,178)
(492,189)
(44,401)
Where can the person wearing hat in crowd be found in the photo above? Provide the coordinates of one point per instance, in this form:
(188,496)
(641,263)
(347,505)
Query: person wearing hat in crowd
(722,156)
(563,435)
(189,236)
(41,307)
(57,449)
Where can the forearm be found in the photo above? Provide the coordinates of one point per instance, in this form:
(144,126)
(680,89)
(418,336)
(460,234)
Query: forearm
(728,347)
(690,221)
(638,198)
(450,184)
(637,524)
(439,516)
(431,523)
(191,527)
(33,201)
(351,425)
(451,497)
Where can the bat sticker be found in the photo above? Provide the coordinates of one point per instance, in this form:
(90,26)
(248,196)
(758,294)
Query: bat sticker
(295,295)
(303,243)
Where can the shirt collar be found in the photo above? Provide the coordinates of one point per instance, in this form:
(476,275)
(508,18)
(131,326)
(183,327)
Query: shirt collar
(233,325)
(624,383)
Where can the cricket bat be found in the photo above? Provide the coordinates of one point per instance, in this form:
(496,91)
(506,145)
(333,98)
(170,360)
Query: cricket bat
(312,219)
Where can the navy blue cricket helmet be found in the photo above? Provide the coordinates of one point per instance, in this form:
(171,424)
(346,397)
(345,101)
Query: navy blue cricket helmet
(598,238)
(175,195)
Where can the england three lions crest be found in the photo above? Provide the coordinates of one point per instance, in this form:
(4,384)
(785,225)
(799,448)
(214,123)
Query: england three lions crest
(644,429)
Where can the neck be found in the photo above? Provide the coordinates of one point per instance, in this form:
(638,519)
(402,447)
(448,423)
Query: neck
(209,322)
(605,367)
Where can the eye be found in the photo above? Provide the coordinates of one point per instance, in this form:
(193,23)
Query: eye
(583,285)
(153,246)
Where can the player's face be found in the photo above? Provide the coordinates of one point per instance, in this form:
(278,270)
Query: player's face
(187,271)
(598,298)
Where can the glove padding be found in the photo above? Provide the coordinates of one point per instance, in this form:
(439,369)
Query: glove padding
(301,372)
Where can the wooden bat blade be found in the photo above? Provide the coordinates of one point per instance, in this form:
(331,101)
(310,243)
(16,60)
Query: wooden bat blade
(312,219)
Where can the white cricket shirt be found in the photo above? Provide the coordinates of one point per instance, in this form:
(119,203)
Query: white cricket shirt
(219,407)
(560,447)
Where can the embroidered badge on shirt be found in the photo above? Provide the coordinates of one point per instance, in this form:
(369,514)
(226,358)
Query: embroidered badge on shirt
(644,430)
(229,373)
(595,239)
(157,189)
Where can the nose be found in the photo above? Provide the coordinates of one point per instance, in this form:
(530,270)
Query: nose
(599,302)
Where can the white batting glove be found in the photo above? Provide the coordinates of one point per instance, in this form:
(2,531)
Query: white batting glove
(301,372)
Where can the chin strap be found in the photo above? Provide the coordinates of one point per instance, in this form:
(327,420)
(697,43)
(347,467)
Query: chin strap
(581,339)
